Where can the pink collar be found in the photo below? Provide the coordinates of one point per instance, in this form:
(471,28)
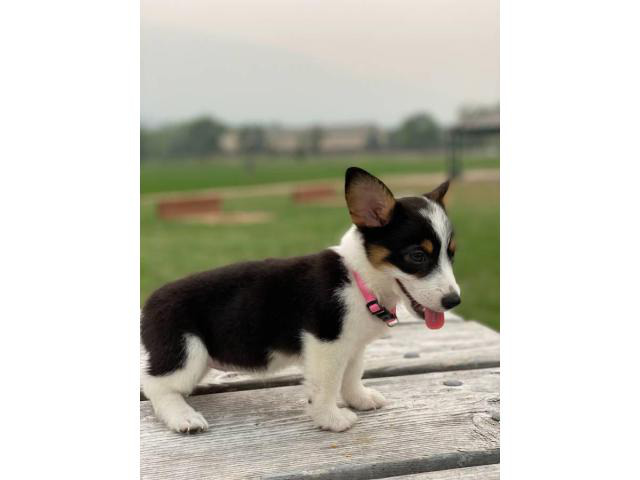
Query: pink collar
(388,316)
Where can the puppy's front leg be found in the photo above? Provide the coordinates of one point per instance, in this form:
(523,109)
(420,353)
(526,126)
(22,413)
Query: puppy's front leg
(354,392)
(324,364)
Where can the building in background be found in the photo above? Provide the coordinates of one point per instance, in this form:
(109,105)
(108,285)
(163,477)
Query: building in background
(477,131)
(230,141)
(352,139)
(315,139)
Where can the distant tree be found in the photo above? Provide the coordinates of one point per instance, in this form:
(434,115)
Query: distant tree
(252,139)
(373,140)
(309,142)
(315,139)
(197,138)
(418,131)
(153,144)
(145,144)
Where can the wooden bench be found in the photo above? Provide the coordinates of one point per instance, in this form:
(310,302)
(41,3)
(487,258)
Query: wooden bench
(313,193)
(186,207)
(442,420)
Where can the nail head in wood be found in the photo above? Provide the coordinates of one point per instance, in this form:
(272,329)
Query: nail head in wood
(452,383)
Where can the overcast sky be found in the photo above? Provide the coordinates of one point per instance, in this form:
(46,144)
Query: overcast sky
(326,61)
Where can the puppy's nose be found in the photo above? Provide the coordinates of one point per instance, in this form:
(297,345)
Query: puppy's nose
(451,300)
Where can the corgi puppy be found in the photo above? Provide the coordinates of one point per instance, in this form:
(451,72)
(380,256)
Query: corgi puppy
(319,311)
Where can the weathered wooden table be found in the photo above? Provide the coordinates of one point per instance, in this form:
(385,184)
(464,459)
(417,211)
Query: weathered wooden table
(442,420)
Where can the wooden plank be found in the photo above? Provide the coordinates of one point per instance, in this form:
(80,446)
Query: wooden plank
(458,345)
(484,472)
(427,426)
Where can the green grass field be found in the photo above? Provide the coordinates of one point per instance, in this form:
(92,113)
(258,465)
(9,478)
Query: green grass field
(226,172)
(170,250)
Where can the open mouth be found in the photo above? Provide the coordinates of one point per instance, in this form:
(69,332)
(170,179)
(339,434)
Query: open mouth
(432,319)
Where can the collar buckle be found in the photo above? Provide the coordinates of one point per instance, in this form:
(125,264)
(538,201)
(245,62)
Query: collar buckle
(382,313)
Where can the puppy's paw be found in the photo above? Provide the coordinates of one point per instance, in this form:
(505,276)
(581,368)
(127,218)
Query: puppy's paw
(334,419)
(365,399)
(187,421)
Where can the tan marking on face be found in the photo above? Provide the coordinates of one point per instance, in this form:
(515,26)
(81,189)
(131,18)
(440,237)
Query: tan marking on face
(452,245)
(428,246)
(378,255)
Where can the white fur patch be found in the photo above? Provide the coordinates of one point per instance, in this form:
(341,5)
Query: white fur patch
(439,220)
(166,392)
(277,361)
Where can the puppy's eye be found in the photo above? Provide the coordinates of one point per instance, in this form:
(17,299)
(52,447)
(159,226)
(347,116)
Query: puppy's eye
(417,256)
(451,250)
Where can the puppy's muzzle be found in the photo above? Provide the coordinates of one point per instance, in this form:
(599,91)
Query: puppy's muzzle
(450,300)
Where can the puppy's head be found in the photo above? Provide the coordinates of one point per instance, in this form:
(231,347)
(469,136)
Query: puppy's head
(409,238)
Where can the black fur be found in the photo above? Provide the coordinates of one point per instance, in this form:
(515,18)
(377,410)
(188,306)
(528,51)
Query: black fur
(404,234)
(437,195)
(244,311)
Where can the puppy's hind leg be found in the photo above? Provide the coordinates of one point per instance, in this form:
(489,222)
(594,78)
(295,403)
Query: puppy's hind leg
(166,392)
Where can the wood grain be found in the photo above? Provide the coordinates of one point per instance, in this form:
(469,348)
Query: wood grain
(459,345)
(266,433)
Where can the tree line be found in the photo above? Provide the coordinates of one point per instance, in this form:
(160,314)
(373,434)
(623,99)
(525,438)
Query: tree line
(201,137)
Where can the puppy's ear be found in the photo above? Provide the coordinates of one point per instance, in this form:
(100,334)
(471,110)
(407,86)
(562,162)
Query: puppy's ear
(369,200)
(437,195)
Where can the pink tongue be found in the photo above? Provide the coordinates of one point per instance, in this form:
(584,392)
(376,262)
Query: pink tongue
(434,320)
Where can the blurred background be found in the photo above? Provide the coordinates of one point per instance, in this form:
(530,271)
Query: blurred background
(251,111)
